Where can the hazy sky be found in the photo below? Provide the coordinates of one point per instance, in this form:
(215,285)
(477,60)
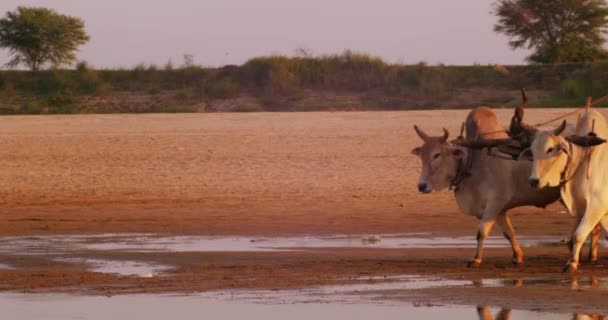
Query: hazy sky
(218,32)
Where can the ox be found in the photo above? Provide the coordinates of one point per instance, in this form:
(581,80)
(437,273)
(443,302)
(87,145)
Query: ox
(485,186)
(578,172)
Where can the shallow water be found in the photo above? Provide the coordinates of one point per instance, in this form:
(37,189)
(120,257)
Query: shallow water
(59,244)
(368,297)
(126,268)
(379,289)
(68,248)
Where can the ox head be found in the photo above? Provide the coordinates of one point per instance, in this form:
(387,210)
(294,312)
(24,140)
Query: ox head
(549,152)
(440,161)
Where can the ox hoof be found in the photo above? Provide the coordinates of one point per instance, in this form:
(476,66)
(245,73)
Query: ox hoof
(474,263)
(571,267)
(518,260)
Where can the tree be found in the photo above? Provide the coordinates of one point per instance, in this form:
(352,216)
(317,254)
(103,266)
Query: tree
(558,30)
(36,36)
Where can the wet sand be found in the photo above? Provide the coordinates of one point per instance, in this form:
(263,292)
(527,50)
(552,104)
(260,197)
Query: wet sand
(270,174)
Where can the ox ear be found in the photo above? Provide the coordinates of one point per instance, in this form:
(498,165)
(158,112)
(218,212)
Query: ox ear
(458,152)
(525,155)
(416,151)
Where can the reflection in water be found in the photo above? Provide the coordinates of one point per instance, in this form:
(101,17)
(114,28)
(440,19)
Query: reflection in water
(484,313)
(573,281)
(195,307)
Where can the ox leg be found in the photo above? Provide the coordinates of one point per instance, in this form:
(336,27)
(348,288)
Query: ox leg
(591,218)
(483,312)
(504,314)
(485,225)
(593,241)
(570,243)
(504,222)
(593,244)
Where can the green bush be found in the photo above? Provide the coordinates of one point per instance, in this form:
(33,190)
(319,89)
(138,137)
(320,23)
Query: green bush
(300,83)
(61,98)
(173,109)
(281,81)
(589,82)
(221,89)
(249,108)
(33,107)
(102,89)
(88,79)
(7,89)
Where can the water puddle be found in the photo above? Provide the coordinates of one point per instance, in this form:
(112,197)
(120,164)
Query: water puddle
(387,291)
(574,282)
(71,248)
(126,268)
(404,241)
(364,288)
(415,282)
(153,307)
(48,245)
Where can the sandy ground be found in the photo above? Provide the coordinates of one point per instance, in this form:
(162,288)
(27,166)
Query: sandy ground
(256,174)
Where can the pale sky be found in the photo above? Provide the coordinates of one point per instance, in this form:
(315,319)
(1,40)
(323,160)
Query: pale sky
(218,32)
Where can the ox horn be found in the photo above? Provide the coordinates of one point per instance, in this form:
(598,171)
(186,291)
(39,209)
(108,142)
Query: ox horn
(517,127)
(446,134)
(518,116)
(586,141)
(560,129)
(421,133)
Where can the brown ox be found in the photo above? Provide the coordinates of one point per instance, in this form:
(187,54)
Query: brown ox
(485,186)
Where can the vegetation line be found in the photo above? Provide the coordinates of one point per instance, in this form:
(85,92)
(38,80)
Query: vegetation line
(350,81)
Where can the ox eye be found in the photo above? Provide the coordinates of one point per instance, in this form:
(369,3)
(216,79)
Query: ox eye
(436,155)
(549,150)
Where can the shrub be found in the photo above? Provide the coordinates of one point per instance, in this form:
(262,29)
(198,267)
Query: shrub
(33,107)
(249,108)
(87,78)
(173,109)
(221,89)
(61,98)
(8,89)
(281,81)
(102,89)
(587,82)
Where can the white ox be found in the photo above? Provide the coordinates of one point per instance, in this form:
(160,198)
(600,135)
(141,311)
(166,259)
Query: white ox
(485,186)
(579,172)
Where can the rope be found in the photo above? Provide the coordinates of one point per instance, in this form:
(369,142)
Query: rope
(579,109)
(599,100)
(560,117)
